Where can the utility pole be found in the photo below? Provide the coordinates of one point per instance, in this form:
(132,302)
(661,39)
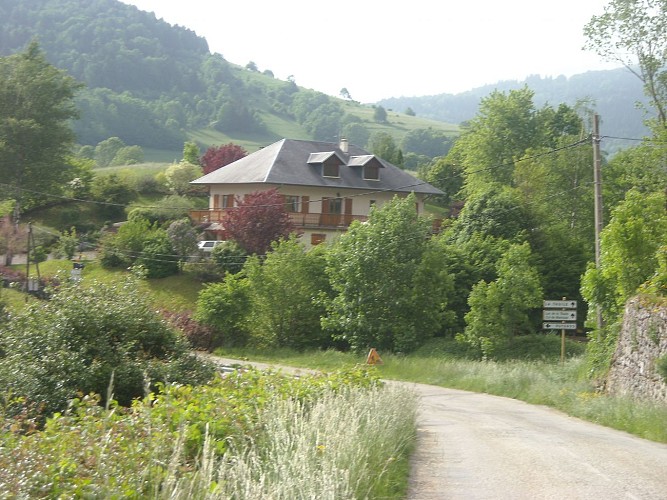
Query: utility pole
(597,185)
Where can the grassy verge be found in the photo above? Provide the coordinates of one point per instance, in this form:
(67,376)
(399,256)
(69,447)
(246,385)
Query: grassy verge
(250,435)
(541,381)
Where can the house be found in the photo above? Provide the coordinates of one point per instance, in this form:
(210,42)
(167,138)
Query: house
(325,186)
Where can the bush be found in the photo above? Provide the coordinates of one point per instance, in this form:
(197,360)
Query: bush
(661,366)
(84,336)
(229,257)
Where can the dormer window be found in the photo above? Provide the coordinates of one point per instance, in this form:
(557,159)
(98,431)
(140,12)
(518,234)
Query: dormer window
(372,172)
(330,163)
(370,166)
(330,169)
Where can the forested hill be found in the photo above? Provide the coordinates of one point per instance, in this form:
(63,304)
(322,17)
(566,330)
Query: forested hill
(613,94)
(156,85)
(105,43)
(126,57)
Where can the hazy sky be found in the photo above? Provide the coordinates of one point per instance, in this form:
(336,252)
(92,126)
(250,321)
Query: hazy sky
(381,49)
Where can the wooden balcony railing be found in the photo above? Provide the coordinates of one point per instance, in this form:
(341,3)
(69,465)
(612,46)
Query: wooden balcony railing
(298,219)
(324,221)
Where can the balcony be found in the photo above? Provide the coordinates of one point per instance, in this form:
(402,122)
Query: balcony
(300,220)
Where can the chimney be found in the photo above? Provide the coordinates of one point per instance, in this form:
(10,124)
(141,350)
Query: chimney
(343,145)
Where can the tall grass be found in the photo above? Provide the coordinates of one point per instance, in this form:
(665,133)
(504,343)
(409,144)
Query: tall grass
(353,444)
(543,381)
(248,435)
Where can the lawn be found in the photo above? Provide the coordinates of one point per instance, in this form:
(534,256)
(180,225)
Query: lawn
(176,293)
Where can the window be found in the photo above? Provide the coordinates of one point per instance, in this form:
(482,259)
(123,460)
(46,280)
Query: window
(371,172)
(316,238)
(335,206)
(227,200)
(330,170)
(372,203)
(291,203)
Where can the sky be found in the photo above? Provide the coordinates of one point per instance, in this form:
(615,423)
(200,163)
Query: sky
(381,49)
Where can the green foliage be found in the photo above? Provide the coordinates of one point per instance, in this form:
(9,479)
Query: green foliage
(157,255)
(36,106)
(68,243)
(499,310)
(640,168)
(286,296)
(380,114)
(183,238)
(496,212)
(428,142)
(356,134)
(447,177)
(128,155)
(630,245)
(657,284)
(180,175)
(383,145)
(106,151)
(114,194)
(633,34)
(138,242)
(169,208)
(225,307)
(661,366)
(229,257)
(82,338)
(191,152)
(379,273)
(172,443)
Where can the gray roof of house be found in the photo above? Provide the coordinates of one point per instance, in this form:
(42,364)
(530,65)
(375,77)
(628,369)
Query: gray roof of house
(295,162)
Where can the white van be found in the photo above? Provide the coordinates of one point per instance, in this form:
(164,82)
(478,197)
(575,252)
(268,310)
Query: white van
(208,245)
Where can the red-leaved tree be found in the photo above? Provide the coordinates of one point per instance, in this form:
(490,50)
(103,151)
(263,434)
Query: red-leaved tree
(259,219)
(219,156)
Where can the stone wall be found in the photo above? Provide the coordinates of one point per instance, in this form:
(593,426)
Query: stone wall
(642,340)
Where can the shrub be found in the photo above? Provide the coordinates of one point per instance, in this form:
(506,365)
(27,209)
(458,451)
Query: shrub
(229,257)
(661,366)
(77,340)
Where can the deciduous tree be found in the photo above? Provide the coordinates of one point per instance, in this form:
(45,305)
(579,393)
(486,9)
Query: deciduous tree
(36,107)
(180,175)
(286,292)
(389,293)
(216,157)
(499,310)
(634,33)
(259,219)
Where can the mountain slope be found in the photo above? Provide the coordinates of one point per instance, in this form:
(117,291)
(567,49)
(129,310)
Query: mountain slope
(613,94)
(157,85)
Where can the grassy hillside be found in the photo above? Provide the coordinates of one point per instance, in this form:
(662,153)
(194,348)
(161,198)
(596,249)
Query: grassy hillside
(156,85)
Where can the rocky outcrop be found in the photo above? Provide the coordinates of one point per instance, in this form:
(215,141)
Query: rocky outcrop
(642,340)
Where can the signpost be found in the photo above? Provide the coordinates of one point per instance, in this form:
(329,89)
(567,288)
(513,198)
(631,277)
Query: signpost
(556,315)
(560,314)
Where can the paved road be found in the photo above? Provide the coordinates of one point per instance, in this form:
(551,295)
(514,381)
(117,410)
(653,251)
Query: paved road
(475,446)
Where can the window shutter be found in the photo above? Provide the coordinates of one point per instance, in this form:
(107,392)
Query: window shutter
(305,204)
(216,201)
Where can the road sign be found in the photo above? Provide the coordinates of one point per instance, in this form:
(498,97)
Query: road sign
(560,304)
(556,315)
(559,326)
